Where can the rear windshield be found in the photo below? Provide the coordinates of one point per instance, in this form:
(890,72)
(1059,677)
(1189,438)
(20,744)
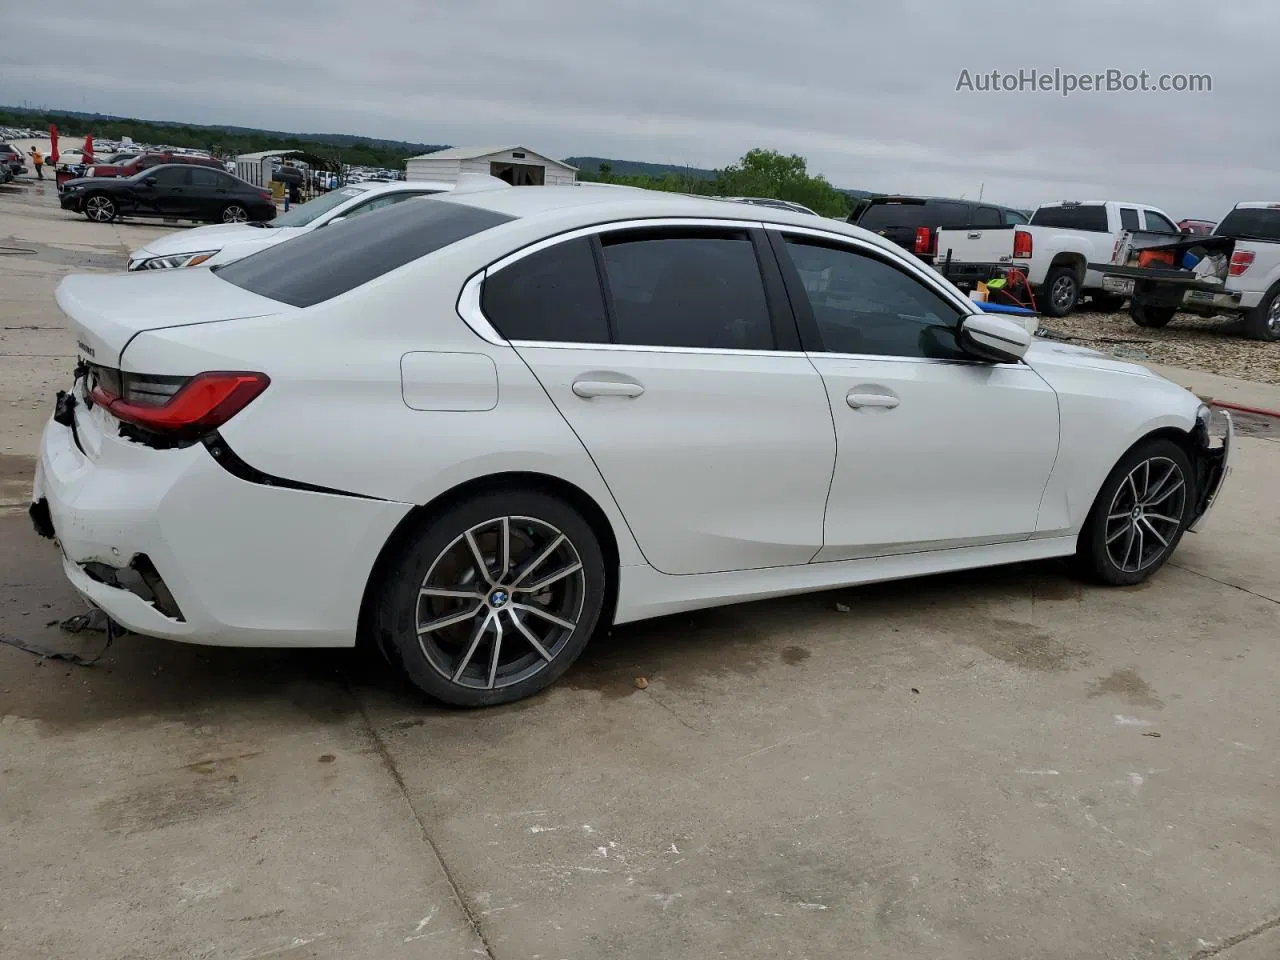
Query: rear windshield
(1251,223)
(341,256)
(1091,217)
(931,213)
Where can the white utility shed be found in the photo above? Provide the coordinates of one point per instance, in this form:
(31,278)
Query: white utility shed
(519,166)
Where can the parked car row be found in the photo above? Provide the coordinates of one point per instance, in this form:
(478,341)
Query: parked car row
(177,191)
(12,162)
(1234,272)
(524,415)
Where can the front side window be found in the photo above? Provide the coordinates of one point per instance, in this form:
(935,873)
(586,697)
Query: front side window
(172,176)
(1158,223)
(864,305)
(1013,218)
(553,295)
(697,288)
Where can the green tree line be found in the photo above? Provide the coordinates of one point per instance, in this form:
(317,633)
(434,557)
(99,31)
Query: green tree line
(219,142)
(760,173)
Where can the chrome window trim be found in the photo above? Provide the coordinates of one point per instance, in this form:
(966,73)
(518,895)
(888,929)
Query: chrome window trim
(469,310)
(650,348)
(468,306)
(598,228)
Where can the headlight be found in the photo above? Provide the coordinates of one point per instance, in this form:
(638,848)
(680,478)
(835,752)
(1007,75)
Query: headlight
(174,260)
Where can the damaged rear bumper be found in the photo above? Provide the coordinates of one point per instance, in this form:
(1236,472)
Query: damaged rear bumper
(1213,465)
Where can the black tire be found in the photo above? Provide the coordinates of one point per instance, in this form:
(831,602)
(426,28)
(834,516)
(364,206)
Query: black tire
(1107,302)
(1149,316)
(1113,514)
(1263,321)
(234,213)
(1060,293)
(440,551)
(101,208)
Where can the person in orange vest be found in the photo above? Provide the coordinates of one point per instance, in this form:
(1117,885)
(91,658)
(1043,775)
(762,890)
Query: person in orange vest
(37,160)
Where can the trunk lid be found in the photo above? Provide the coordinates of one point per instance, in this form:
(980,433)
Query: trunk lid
(106,312)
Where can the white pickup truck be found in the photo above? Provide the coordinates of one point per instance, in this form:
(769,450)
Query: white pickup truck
(1056,249)
(1234,272)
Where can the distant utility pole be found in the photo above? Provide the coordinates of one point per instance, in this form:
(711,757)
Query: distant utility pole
(982,186)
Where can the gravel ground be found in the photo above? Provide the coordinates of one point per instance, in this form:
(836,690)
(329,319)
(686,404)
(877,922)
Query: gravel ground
(1215,346)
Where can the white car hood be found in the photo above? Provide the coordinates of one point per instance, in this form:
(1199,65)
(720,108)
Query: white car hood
(236,240)
(1044,355)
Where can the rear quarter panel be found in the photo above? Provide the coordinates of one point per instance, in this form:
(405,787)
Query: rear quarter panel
(335,414)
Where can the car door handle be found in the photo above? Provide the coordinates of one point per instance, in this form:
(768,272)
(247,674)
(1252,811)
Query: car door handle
(860,400)
(977,235)
(589,389)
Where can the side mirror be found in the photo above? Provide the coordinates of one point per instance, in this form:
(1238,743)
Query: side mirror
(150,181)
(994,338)
(336,220)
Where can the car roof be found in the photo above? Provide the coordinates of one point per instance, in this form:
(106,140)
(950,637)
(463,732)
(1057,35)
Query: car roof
(1256,204)
(569,207)
(374,187)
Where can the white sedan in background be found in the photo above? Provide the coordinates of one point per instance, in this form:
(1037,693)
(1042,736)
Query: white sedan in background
(482,427)
(225,243)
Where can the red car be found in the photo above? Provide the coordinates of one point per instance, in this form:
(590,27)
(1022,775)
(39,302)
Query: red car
(1196,227)
(145,161)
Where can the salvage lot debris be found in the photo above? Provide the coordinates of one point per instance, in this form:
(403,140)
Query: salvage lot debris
(1190,342)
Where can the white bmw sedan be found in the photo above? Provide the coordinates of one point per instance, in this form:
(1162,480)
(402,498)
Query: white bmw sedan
(482,427)
(226,243)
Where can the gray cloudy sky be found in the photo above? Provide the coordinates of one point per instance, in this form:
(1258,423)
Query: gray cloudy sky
(865,90)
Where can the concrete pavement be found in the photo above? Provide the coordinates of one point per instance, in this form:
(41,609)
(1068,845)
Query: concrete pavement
(995,765)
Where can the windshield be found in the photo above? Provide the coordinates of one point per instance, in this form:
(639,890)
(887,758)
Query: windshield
(306,213)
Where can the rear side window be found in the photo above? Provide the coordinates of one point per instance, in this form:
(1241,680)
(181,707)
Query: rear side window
(1129,218)
(339,257)
(932,213)
(695,288)
(551,295)
(1091,217)
(1251,223)
(987,217)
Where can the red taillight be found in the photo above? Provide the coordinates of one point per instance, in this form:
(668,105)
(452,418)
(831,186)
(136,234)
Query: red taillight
(1241,261)
(203,403)
(267,196)
(924,241)
(1021,245)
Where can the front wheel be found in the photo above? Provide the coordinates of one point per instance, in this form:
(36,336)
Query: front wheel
(1148,316)
(1139,515)
(100,208)
(494,599)
(234,213)
(1061,291)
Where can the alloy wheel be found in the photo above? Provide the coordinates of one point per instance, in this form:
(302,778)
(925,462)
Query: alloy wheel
(1063,293)
(500,603)
(1273,319)
(235,214)
(1146,514)
(100,209)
